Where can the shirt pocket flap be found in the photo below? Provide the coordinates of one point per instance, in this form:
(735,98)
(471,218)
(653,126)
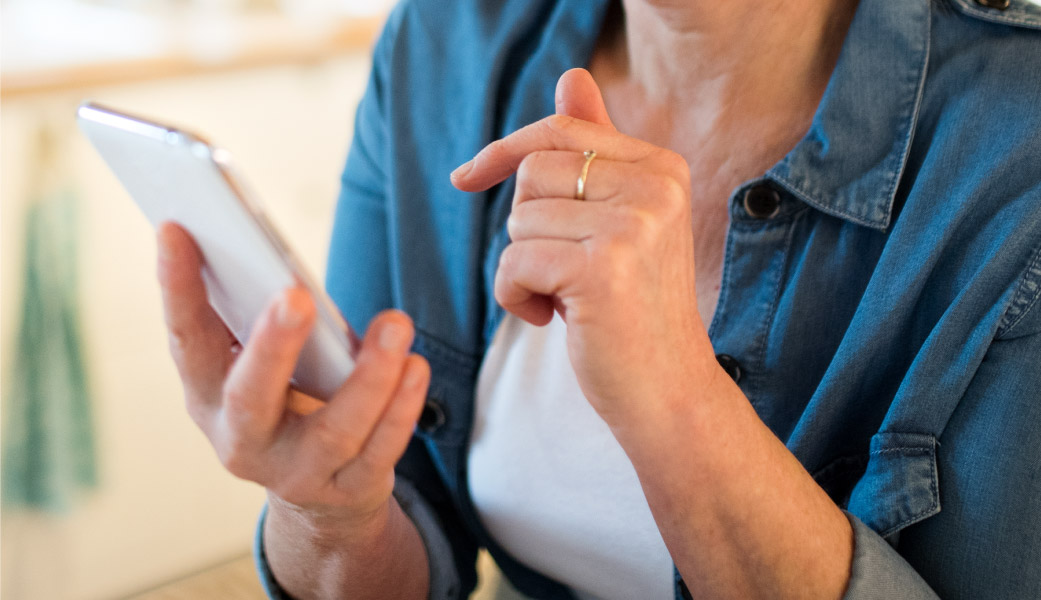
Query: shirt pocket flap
(900,485)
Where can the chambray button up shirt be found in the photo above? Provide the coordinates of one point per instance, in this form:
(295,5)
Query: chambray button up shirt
(881,293)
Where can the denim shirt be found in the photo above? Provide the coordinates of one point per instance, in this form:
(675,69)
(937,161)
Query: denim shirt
(880,295)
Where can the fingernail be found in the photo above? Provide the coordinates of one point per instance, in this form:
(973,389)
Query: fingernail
(463,170)
(288,315)
(393,337)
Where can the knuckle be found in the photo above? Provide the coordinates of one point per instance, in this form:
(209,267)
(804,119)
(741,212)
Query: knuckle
(197,410)
(559,124)
(366,464)
(675,192)
(674,163)
(513,224)
(236,403)
(669,197)
(509,259)
(329,434)
(610,250)
(178,342)
(666,187)
(491,153)
(529,166)
(237,460)
(517,222)
(501,288)
(633,222)
(607,260)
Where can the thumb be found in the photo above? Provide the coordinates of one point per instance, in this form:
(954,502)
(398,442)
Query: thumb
(578,96)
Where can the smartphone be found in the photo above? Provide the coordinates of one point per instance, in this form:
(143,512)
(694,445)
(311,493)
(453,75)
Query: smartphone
(175,175)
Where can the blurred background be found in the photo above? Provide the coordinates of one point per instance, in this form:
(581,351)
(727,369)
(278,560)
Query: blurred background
(108,489)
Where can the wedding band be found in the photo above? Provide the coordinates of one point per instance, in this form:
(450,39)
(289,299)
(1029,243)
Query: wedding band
(580,189)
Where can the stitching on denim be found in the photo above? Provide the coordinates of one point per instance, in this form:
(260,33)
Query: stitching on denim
(1018,14)
(934,495)
(794,190)
(724,282)
(909,125)
(1020,307)
(917,450)
(780,271)
(895,164)
(928,511)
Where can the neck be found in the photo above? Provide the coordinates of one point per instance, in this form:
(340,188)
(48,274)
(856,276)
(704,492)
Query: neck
(756,56)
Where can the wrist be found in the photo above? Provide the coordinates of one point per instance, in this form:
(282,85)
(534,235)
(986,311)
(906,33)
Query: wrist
(332,527)
(680,405)
(321,553)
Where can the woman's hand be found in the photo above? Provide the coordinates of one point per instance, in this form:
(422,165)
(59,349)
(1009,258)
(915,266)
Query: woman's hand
(332,463)
(619,266)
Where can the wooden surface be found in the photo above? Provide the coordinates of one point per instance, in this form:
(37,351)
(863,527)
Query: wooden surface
(235,580)
(34,65)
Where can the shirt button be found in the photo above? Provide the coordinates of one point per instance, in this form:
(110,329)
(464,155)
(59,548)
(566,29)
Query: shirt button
(432,417)
(730,365)
(762,202)
(998,4)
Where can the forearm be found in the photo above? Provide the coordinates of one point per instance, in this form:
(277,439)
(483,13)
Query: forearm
(386,559)
(740,515)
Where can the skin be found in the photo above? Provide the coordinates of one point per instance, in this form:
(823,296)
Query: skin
(328,467)
(619,267)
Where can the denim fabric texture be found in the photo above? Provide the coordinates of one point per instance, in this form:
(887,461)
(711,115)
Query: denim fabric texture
(886,318)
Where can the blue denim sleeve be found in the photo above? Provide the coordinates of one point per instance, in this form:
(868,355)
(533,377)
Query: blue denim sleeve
(985,541)
(267,578)
(879,572)
(444,577)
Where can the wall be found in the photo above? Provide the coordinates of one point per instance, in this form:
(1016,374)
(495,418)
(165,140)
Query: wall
(165,507)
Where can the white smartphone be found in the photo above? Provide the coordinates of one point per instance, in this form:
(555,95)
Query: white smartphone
(175,175)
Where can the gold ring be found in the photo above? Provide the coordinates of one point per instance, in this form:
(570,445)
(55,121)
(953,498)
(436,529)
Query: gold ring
(580,189)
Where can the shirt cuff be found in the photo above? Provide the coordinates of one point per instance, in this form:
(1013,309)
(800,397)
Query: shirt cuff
(444,577)
(879,572)
(267,578)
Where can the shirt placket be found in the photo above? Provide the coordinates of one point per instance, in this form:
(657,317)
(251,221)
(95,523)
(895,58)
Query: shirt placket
(762,220)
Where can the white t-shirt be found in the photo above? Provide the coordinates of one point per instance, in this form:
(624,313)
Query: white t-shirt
(550,482)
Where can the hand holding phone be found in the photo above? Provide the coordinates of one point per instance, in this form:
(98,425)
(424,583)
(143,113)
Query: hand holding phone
(244,320)
(174,175)
(329,467)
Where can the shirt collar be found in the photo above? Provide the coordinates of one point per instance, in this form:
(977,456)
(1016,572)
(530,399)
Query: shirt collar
(851,160)
(1022,13)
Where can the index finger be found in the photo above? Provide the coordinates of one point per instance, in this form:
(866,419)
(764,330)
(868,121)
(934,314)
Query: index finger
(500,159)
(200,343)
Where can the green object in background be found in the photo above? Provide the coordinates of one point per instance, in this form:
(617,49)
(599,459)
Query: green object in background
(48,431)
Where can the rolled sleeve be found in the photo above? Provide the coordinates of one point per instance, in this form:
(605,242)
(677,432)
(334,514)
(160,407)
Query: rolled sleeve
(444,578)
(267,578)
(878,571)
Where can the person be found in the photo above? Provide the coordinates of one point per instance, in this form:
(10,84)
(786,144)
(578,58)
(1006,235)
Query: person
(746,305)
